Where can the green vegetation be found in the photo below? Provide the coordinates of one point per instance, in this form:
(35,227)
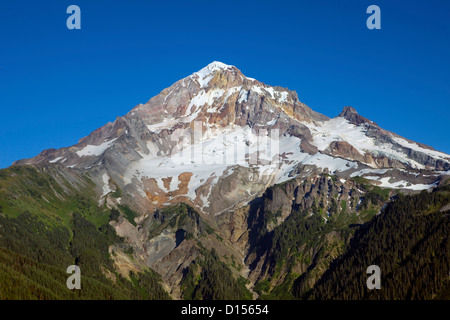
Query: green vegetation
(118,193)
(46,225)
(28,189)
(374,196)
(272,216)
(262,287)
(301,240)
(316,253)
(34,259)
(298,233)
(129,213)
(282,291)
(209,278)
(300,249)
(344,206)
(115,214)
(410,244)
(180,216)
(308,258)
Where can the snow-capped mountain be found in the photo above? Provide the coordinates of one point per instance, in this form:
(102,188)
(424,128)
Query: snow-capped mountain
(275,188)
(217,139)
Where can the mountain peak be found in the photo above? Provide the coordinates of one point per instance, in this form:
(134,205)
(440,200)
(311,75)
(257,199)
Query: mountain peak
(204,75)
(347,111)
(350,114)
(216,65)
(212,111)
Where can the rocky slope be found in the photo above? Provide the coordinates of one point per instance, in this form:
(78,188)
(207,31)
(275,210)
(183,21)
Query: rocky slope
(209,130)
(222,161)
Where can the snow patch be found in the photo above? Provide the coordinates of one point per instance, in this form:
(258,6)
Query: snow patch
(230,92)
(340,129)
(56,160)
(364,171)
(203,98)
(270,91)
(333,164)
(166,123)
(416,147)
(242,96)
(283,97)
(91,150)
(106,188)
(404,184)
(205,75)
(258,90)
(220,149)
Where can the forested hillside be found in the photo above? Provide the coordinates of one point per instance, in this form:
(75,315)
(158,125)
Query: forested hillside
(34,258)
(410,243)
(46,226)
(307,239)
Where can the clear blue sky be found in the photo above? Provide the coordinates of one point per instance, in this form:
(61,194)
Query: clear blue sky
(58,85)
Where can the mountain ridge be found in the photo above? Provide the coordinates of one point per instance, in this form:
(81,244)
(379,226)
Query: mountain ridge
(222,103)
(220,174)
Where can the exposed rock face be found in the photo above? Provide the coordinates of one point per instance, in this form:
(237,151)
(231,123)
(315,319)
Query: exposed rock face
(221,98)
(137,151)
(350,114)
(345,149)
(326,196)
(219,141)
